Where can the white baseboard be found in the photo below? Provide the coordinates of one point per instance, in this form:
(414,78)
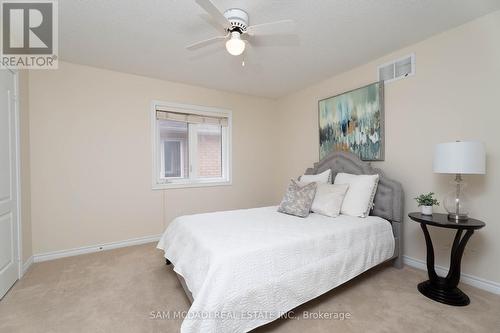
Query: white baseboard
(472,280)
(94,248)
(27,264)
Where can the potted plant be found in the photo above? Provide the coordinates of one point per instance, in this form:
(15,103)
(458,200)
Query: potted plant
(425,202)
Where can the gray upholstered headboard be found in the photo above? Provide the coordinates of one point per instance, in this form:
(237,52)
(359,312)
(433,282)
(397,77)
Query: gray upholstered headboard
(388,202)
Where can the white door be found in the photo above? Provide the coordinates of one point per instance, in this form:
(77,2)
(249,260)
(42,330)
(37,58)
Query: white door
(9,265)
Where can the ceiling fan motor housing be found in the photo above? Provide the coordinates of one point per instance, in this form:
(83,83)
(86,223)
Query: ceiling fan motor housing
(238,18)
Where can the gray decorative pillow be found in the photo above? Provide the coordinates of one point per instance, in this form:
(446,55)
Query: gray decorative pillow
(298,199)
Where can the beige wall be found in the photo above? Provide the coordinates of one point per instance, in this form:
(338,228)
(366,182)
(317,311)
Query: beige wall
(454,95)
(24,120)
(91,149)
(91,156)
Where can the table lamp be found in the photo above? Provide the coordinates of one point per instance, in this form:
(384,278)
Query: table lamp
(460,157)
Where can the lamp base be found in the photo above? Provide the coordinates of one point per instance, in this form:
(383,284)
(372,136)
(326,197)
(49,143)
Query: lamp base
(457,202)
(458,217)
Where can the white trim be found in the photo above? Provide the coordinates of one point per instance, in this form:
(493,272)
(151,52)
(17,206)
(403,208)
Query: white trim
(192,155)
(17,148)
(190,183)
(28,264)
(471,280)
(94,248)
(226,180)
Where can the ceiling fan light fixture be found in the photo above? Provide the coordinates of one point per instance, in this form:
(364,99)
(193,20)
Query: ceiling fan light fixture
(235,46)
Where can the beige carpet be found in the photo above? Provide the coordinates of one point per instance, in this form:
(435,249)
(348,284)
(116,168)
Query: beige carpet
(116,291)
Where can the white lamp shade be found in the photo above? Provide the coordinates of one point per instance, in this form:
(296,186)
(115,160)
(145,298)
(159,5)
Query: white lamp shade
(461,157)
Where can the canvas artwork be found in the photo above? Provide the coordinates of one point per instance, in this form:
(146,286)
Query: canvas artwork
(353,122)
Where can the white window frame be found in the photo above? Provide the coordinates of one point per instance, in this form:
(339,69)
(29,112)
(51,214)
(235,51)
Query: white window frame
(160,183)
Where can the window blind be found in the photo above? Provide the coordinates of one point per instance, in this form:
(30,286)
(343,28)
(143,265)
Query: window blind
(191,118)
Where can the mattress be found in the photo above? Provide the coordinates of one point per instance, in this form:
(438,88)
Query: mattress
(248,267)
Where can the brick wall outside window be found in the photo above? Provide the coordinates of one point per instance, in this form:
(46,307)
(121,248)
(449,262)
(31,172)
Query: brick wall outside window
(209,155)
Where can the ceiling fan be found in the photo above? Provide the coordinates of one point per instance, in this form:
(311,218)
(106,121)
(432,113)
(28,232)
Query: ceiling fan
(234,23)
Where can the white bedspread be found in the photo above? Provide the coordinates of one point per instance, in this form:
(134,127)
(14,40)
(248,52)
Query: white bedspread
(245,268)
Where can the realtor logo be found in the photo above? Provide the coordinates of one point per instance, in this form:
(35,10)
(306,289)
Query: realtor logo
(29,34)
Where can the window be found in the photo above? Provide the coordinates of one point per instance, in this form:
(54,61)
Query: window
(191,146)
(173,159)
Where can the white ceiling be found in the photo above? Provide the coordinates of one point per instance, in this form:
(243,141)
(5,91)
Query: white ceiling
(148,38)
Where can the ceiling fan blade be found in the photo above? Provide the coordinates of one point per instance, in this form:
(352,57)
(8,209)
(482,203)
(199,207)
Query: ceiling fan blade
(216,14)
(205,42)
(272,28)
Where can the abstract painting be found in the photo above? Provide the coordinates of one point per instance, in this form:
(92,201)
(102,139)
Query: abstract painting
(353,122)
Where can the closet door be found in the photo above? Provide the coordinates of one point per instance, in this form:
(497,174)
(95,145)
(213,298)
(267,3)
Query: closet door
(9,265)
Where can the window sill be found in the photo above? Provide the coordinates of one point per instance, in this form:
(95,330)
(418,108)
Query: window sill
(172,185)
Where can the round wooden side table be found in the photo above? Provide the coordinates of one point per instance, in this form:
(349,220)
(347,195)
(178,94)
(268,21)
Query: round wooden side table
(444,289)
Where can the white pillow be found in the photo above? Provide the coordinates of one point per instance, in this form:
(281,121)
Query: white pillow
(324,177)
(328,199)
(359,197)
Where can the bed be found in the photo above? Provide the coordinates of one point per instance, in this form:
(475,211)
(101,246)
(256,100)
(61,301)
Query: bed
(244,268)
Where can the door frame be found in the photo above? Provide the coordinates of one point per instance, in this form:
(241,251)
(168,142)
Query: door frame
(17,151)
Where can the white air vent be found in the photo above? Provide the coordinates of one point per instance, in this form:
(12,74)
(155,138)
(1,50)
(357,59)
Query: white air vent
(397,69)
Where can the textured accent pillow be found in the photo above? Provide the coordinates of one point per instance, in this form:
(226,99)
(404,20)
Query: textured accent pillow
(358,200)
(328,199)
(325,177)
(298,199)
